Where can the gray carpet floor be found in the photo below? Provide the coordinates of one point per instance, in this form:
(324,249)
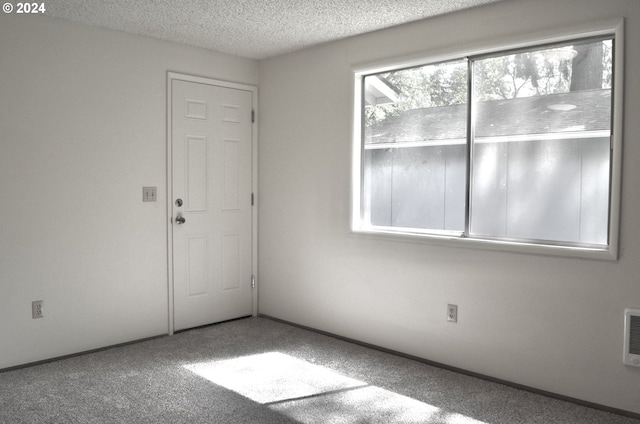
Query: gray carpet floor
(257,370)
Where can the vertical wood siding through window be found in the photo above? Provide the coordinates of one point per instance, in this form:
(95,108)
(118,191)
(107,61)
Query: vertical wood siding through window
(553,190)
(537,190)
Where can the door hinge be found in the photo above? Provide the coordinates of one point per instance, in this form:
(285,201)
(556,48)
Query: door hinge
(252,200)
(253,115)
(253,281)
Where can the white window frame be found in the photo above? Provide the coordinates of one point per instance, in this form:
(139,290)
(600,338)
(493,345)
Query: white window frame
(609,252)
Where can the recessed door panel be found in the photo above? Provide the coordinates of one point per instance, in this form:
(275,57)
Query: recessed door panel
(231,261)
(197,265)
(231,189)
(195,109)
(196,173)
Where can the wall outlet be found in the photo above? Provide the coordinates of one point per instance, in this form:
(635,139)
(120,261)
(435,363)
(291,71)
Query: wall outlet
(37,310)
(149,194)
(452,313)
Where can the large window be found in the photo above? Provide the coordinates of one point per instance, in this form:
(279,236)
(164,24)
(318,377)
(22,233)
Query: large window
(511,147)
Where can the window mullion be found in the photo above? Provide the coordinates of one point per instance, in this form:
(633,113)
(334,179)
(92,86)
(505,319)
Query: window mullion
(470,135)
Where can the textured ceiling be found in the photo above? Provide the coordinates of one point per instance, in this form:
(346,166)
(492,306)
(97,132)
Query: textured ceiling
(255,29)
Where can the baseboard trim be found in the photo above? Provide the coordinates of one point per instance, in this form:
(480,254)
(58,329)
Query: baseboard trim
(557,396)
(73,355)
(100,349)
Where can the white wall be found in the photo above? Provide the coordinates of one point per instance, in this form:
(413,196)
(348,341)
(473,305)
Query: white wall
(550,323)
(82,130)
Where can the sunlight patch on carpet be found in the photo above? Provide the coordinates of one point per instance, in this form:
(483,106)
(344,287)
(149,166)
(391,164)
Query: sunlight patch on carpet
(368,405)
(305,391)
(273,377)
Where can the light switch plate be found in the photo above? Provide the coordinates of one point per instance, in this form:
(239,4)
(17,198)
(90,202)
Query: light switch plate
(149,194)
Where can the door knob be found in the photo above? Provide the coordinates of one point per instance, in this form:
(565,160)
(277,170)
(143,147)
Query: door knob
(180,220)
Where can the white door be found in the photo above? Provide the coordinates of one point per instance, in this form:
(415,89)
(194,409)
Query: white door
(211,161)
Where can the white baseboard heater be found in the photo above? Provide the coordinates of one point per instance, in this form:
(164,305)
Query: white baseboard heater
(632,337)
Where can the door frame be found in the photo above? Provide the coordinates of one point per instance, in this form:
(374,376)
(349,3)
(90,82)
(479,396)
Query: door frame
(172,76)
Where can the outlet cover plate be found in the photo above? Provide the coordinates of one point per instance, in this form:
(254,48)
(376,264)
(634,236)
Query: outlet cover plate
(37,309)
(452,313)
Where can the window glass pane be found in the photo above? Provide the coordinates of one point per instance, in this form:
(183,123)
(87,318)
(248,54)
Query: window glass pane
(414,155)
(541,154)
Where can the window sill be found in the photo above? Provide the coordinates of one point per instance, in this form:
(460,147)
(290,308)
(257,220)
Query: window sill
(457,240)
